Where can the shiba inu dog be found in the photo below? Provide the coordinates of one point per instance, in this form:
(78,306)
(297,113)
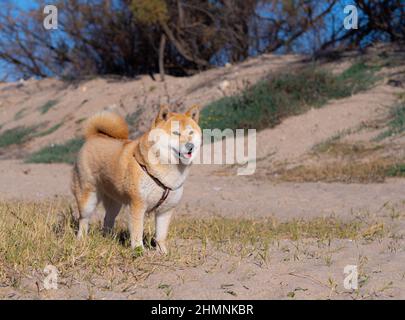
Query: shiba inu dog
(147,174)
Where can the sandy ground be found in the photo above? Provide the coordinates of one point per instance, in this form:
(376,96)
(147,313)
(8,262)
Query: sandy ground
(310,269)
(304,270)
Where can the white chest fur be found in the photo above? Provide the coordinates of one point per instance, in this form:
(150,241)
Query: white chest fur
(151,192)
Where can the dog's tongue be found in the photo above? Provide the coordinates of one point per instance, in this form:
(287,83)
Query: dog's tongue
(188,155)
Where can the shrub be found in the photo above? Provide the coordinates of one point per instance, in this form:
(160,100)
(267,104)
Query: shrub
(47,106)
(269,101)
(396,124)
(17,135)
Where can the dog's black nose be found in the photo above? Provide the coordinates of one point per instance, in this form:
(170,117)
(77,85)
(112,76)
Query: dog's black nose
(189,146)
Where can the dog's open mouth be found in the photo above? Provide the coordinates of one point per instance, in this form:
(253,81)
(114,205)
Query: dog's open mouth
(185,155)
(188,155)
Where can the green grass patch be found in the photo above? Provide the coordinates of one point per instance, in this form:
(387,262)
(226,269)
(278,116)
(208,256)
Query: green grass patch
(47,106)
(360,76)
(57,153)
(396,124)
(132,118)
(269,101)
(49,131)
(17,135)
(20,114)
(396,170)
(79,121)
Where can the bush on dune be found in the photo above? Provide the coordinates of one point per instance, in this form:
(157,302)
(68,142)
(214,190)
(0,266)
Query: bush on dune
(266,103)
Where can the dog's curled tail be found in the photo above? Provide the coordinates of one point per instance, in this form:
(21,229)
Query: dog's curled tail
(106,123)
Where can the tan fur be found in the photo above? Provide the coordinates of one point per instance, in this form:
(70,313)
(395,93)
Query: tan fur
(108,170)
(107,123)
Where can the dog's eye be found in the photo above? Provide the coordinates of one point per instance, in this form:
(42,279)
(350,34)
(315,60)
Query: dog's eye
(176,133)
(191,132)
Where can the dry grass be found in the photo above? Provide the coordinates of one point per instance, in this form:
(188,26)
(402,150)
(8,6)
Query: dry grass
(337,149)
(33,235)
(355,172)
(250,232)
(345,162)
(37,234)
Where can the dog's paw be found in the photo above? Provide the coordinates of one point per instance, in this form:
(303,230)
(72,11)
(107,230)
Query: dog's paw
(138,251)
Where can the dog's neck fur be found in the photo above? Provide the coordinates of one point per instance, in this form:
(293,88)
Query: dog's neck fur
(170,175)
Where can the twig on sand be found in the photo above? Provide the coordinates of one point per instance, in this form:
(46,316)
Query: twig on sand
(304,276)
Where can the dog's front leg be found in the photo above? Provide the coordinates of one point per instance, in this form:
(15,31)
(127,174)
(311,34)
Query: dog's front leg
(136,225)
(162,222)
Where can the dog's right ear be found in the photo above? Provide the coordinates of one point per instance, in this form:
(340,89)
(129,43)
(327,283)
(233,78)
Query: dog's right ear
(163,115)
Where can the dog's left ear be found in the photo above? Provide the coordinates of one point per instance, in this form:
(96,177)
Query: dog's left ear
(163,115)
(194,112)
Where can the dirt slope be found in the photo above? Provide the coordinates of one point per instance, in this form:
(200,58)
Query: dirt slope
(22,104)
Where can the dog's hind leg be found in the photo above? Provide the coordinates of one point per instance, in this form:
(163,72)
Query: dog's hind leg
(87,203)
(112,209)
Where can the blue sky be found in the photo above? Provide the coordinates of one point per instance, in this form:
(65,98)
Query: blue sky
(26,4)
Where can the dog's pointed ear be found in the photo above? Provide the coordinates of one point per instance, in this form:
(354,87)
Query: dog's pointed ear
(164,113)
(194,112)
